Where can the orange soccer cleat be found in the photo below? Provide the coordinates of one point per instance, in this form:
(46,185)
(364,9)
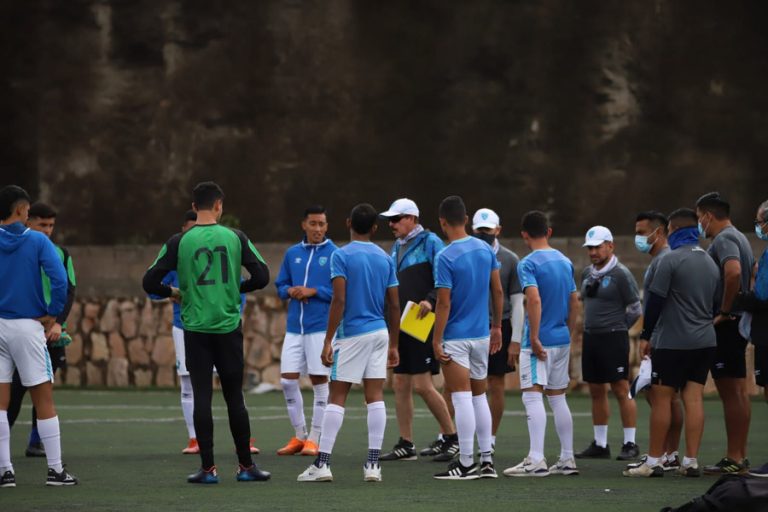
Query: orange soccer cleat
(294,446)
(192,448)
(254,450)
(310,448)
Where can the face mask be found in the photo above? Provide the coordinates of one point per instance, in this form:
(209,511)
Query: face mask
(486,237)
(702,231)
(760,234)
(642,244)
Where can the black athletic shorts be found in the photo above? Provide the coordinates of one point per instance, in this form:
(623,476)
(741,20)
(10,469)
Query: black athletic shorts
(497,363)
(674,368)
(416,357)
(58,358)
(761,365)
(605,357)
(206,350)
(730,358)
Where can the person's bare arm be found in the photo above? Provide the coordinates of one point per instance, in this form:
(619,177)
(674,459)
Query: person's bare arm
(442,310)
(497,297)
(335,314)
(533,308)
(393,320)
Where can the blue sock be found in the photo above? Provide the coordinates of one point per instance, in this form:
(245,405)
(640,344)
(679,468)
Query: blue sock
(34,436)
(373,457)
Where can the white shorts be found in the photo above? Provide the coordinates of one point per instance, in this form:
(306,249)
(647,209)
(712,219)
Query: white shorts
(301,354)
(471,354)
(360,357)
(23,347)
(178,344)
(552,373)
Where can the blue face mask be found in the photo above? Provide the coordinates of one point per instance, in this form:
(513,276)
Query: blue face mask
(641,242)
(759,232)
(702,233)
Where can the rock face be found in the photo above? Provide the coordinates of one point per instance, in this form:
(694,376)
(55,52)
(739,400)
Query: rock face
(340,101)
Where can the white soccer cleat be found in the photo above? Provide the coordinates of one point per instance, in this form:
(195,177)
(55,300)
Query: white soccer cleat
(371,473)
(564,467)
(645,471)
(528,468)
(316,474)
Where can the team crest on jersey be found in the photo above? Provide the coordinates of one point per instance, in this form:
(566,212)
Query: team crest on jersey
(322,260)
(606,281)
(297,260)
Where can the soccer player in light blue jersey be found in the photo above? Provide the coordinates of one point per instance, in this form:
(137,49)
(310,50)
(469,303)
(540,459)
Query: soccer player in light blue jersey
(465,272)
(546,277)
(365,345)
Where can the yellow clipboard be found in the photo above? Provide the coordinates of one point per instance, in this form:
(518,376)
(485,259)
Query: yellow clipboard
(418,328)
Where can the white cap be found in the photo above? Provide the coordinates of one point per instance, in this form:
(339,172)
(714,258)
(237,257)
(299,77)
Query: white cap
(402,206)
(597,235)
(485,218)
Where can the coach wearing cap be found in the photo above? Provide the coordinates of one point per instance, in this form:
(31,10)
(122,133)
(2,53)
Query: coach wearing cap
(414,253)
(611,306)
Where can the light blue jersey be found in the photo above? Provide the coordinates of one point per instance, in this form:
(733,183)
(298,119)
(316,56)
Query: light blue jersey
(552,273)
(368,272)
(465,267)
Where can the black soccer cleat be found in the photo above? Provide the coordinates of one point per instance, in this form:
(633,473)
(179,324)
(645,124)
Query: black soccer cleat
(35,450)
(433,449)
(60,479)
(403,450)
(629,451)
(593,451)
(252,474)
(487,470)
(204,476)
(450,450)
(726,466)
(8,479)
(458,472)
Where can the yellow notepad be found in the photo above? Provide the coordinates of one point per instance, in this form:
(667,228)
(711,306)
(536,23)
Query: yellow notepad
(417,327)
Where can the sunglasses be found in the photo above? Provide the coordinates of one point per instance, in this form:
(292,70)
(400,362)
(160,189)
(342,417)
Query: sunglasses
(396,219)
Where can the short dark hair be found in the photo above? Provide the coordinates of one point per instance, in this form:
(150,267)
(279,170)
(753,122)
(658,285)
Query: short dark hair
(535,223)
(453,210)
(10,196)
(314,209)
(683,218)
(205,194)
(190,215)
(363,217)
(715,204)
(654,217)
(41,211)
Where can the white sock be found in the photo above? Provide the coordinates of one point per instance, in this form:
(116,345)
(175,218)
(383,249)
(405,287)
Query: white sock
(663,459)
(377,423)
(318,408)
(652,461)
(563,424)
(483,426)
(332,420)
(50,435)
(629,435)
(294,402)
(493,440)
(188,404)
(5,444)
(440,436)
(537,424)
(465,425)
(690,461)
(601,435)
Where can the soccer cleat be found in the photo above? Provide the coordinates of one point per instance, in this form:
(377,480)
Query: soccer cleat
(60,479)
(251,474)
(644,470)
(458,472)
(641,461)
(593,451)
(436,448)
(192,448)
(672,464)
(371,472)
(403,450)
(487,470)
(294,446)
(725,466)
(204,476)
(564,467)
(691,470)
(254,450)
(35,450)
(450,450)
(528,468)
(310,448)
(316,474)
(629,451)
(761,472)
(8,479)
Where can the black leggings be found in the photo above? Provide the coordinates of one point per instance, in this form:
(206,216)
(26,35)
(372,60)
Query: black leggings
(58,360)
(225,352)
